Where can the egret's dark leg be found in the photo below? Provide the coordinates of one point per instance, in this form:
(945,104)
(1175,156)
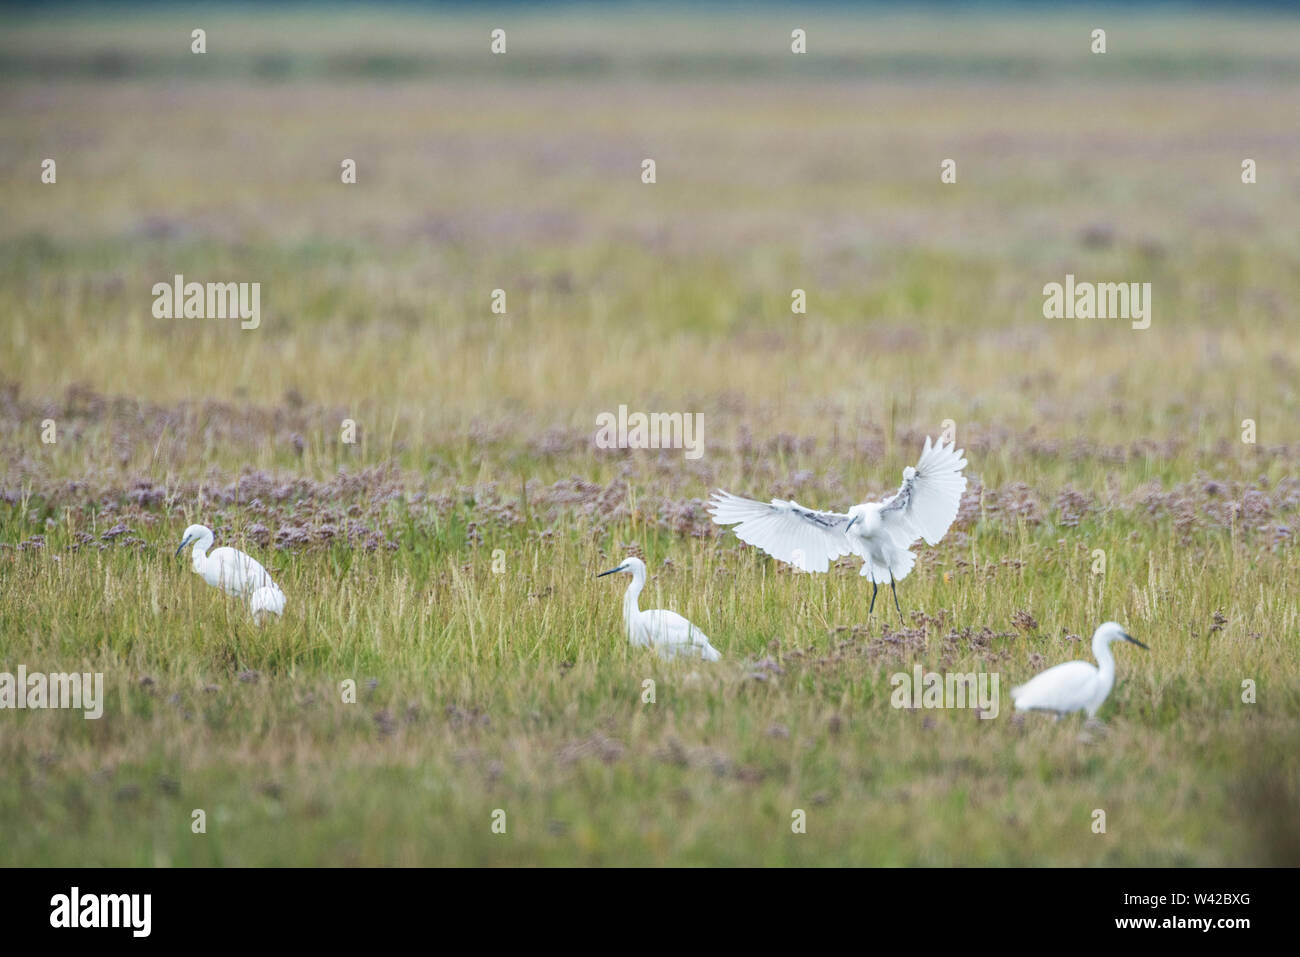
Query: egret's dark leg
(873,596)
(895,591)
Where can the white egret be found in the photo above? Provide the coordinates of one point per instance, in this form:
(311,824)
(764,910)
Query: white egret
(1075,685)
(881,533)
(667,632)
(234,573)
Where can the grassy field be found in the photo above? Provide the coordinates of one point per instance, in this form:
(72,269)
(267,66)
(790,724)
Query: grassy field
(445,561)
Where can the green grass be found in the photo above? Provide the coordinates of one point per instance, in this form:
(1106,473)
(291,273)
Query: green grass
(480,689)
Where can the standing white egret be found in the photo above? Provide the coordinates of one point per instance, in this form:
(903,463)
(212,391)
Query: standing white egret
(234,573)
(667,632)
(1075,685)
(881,533)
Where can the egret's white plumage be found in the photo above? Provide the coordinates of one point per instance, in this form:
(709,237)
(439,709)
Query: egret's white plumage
(667,632)
(233,572)
(881,533)
(1075,685)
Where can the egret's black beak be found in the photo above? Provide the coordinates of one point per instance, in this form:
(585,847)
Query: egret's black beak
(853,521)
(611,571)
(1128,637)
(181,546)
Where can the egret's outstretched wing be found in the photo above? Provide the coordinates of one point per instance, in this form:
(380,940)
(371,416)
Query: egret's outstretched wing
(926,503)
(802,537)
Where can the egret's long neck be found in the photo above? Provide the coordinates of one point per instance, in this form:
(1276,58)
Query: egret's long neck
(199,554)
(1105,661)
(630,606)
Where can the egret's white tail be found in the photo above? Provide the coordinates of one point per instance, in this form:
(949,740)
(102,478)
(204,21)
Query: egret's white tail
(699,649)
(900,566)
(264,600)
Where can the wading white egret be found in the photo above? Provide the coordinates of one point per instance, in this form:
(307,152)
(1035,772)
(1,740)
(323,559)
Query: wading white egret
(234,573)
(667,632)
(881,533)
(1075,685)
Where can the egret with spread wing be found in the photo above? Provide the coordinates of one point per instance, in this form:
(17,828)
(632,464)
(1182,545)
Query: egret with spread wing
(881,533)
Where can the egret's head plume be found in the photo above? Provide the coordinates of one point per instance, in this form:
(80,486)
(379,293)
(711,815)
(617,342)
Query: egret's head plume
(194,534)
(1113,631)
(631,565)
